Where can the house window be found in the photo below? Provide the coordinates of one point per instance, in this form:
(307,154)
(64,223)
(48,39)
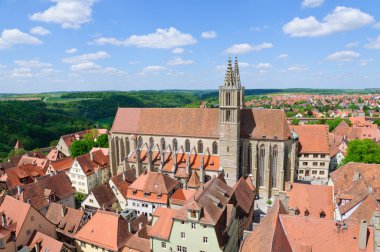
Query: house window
(200,146)
(306,155)
(91,201)
(322,215)
(300,171)
(187,145)
(315,155)
(315,163)
(193,225)
(314,172)
(205,240)
(307,212)
(83,244)
(321,172)
(323,156)
(183,235)
(214,148)
(163,244)
(297,212)
(304,163)
(322,164)
(146,194)
(175,145)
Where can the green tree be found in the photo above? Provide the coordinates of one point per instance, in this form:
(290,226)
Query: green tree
(295,121)
(102,141)
(363,151)
(16,152)
(377,121)
(80,147)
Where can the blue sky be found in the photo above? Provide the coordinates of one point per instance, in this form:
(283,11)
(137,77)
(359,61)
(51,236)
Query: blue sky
(62,45)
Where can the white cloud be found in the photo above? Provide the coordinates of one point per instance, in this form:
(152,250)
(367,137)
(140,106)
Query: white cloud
(154,68)
(244,64)
(365,62)
(67,13)
(264,66)
(246,48)
(161,38)
(374,44)
(178,50)
(209,34)
(377,25)
(85,66)
(282,56)
(39,30)
(298,68)
(133,62)
(343,56)
(86,57)
(352,44)
(312,3)
(12,37)
(34,63)
(71,50)
(179,61)
(341,19)
(21,73)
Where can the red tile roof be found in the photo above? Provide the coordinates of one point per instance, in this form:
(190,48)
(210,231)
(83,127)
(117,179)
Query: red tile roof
(93,231)
(181,196)
(45,242)
(90,165)
(187,122)
(314,198)
(163,226)
(312,138)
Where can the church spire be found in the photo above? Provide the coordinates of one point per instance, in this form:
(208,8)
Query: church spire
(230,79)
(237,73)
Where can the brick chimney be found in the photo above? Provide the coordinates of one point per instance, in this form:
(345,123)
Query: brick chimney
(363,234)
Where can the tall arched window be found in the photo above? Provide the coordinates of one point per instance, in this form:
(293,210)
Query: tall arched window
(261,165)
(139,142)
(214,148)
(163,146)
(274,166)
(228,115)
(151,143)
(175,145)
(187,145)
(228,99)
(200,146)
(249,166)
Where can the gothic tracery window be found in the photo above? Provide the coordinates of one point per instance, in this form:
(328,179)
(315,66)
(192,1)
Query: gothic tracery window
(214,148)
(187,145)
(261,165)
(200,146)
(151,143)
(175,145)
(274,166)
(163,146)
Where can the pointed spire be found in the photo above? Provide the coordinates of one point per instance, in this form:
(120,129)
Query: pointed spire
(229,80)
(237,73)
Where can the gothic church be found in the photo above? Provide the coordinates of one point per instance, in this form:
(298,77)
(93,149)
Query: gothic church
(194,145)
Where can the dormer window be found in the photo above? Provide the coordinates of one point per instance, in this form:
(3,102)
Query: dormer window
(297,212)
(159,196)
(322,214)
(307,213)
(146,194)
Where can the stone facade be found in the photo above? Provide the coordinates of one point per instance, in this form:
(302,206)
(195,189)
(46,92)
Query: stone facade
(269,158)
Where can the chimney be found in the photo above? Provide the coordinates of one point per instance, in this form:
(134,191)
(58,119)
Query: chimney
(63,211)
(288,186)
(91,156)
(140,225)
(3,220)
(123,174)
(129,226)
(363,233)
(356,175)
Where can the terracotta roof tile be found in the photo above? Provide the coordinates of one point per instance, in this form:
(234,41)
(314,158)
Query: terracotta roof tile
(312,138)
(121,184)
(163,226)
(46,243)
(104,195)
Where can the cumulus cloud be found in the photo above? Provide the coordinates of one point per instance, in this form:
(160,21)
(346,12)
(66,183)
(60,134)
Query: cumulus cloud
(179,61)
(71,50)
(10,37)
(209,34)
(34,63)
(297,68)
(21,73)
(343,56)
(161,38)
(86,57)
(39,30)
(247,48)
(244,64)
(365,62)
(282,56)
(312,3)
(341,19)
(178,50)
(377,25)
(85,66)
(352,44)
(67,13)
(264,66)
(374,44)
(154,68)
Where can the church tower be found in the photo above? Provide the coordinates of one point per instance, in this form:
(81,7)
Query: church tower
(231,101)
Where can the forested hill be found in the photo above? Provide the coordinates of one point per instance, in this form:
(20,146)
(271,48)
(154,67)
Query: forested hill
(39,122)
